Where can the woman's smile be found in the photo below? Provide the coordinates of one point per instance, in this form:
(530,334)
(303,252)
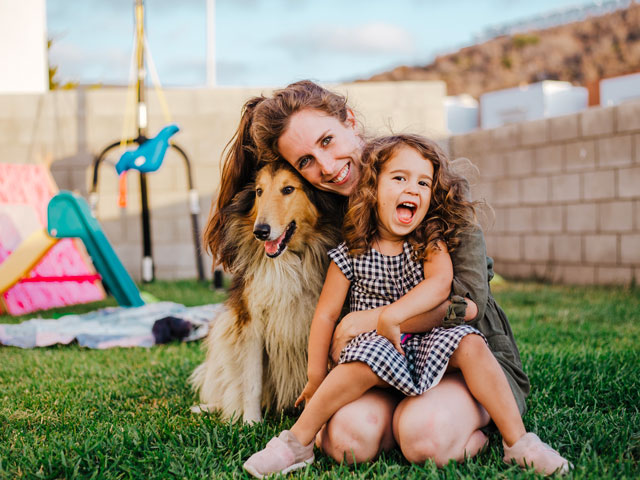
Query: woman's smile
(342,175)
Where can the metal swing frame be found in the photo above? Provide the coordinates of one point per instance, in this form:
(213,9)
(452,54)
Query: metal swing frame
(148,266)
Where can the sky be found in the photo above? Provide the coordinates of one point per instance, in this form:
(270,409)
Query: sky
(271,42)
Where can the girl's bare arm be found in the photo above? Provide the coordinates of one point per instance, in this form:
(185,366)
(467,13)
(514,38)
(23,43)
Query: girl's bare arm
(334,292)
(427,295)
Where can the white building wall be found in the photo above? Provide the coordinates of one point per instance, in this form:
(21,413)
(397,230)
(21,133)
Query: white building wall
(23,46)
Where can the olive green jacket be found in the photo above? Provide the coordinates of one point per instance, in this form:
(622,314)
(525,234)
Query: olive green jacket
(472,272)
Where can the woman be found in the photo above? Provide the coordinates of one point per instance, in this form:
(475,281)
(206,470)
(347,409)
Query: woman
(316,132)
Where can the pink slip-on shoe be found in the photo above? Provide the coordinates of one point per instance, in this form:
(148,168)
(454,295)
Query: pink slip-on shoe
(283,454)
(530,451)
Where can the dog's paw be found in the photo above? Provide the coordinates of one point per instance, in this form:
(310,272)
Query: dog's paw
(202,408)
(252,417)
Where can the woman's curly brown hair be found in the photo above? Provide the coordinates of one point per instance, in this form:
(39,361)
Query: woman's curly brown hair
(450,212)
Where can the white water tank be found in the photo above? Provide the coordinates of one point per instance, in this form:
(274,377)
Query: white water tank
(618,89)
(531,102)
(461,112)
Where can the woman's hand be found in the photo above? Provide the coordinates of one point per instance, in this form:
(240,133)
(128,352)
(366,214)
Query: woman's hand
(389,327)
(352,325)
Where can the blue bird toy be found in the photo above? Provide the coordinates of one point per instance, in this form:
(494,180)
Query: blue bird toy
(148,156)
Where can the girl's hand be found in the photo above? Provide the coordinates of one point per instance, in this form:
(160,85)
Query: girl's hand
(308,391)
(352,325)
(390,329)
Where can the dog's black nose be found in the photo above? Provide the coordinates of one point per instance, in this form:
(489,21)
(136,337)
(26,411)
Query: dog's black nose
(261,231)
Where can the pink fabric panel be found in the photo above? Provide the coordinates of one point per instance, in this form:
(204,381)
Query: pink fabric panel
(29,184)
(4,253)
(62,259)
(24,298)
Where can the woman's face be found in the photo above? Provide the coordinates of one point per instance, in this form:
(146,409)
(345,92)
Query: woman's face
(324,150)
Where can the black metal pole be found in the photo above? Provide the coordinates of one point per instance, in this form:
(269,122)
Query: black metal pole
(194,209)
(148,267)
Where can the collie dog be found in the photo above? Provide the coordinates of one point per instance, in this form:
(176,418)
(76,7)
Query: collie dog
(279,232)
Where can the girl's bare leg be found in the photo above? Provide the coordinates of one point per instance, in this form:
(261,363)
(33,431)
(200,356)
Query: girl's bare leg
(342,385)
(488,384)
(360,430)
(441,424)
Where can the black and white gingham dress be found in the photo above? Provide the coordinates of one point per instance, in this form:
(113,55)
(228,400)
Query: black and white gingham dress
(378,280)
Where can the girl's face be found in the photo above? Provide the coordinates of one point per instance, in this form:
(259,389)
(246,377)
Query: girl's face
(324,150)
(404,193)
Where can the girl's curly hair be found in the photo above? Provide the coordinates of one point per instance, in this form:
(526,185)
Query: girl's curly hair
(450,212)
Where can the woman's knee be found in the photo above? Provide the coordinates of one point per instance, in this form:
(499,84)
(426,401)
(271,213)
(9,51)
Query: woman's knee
(424,437)
(438,424)
(361,430)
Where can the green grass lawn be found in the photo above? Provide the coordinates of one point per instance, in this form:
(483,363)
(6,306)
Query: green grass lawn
(70,412)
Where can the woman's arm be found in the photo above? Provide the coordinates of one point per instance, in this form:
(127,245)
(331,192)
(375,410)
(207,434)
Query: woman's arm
(472,271)
(433,318)
(334,292)
(427,295)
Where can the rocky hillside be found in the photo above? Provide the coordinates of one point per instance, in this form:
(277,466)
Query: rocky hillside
(581,53)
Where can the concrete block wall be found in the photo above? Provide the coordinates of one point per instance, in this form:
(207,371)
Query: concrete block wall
(70,128)
(566,195)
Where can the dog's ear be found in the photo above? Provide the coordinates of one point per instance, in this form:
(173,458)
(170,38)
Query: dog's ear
(242,201)
(235,212)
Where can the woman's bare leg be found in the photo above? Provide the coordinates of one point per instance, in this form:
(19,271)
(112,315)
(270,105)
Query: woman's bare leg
(359,431)
(344,384)
(441,424)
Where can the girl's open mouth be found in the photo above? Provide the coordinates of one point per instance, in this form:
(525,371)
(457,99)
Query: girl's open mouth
(406,211)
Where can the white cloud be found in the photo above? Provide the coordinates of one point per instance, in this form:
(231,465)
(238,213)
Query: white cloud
(368,39)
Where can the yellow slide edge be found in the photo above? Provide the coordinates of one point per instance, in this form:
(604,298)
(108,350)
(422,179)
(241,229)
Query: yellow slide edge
(24,258)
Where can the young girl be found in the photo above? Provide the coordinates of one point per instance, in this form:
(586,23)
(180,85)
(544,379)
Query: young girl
(402,223)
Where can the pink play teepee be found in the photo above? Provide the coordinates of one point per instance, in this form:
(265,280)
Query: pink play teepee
(65,274)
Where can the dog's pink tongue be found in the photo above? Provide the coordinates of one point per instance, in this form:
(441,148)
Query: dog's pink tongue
(404,214)
(271,246)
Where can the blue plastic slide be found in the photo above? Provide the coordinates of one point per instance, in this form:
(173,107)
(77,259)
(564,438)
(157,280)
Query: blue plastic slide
(69,216)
